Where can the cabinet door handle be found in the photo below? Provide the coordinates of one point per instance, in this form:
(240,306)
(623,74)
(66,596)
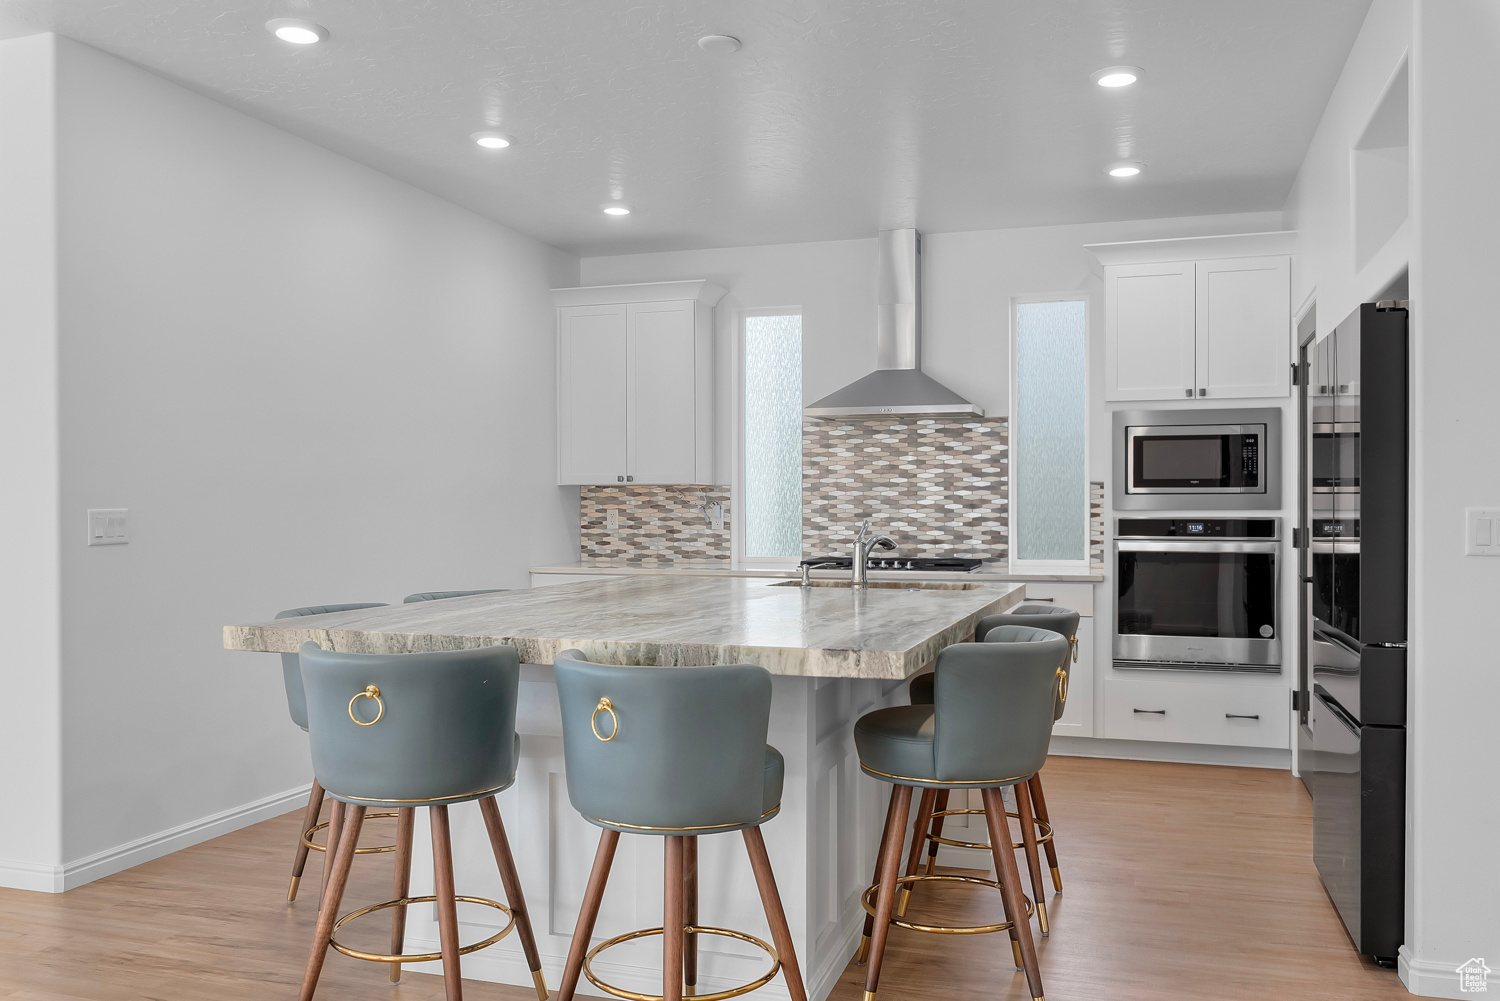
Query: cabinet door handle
(630,479)
(1150,712)
(1202,392)
(1241,716)
(619,479)
(1187,392)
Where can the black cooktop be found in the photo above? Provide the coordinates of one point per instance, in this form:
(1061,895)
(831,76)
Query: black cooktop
(952,564)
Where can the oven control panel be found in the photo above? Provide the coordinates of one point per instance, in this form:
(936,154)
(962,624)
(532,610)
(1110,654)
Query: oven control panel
(1196,528)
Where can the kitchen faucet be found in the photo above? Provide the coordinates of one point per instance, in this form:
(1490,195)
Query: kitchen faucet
(858,573)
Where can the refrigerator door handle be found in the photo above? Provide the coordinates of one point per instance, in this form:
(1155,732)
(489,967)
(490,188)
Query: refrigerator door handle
(1338,712)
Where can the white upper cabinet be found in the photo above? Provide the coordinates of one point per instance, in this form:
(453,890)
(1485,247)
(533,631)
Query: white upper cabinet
(1203,319)
(635,382)
(1149,331)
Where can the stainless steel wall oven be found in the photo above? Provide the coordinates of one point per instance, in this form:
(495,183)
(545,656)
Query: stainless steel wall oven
(1197,594)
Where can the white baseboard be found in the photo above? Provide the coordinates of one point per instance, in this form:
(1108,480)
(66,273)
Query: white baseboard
(1193,754)
(1429,979)
(58,879)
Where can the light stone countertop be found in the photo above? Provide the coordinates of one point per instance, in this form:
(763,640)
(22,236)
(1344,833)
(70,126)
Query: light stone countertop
(828,631)
(981,575)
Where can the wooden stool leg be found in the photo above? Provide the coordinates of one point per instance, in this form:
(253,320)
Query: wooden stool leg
(770,899)
(885,899)
(1033,862)
(690,913)
(890,810)
(309,821)
(918,836)
(1010,887)
(339,858)
(406,827)
(335,829)
(672,924)
(511,880)
(447,906)
(937,829)
(588,913)
(1039,804)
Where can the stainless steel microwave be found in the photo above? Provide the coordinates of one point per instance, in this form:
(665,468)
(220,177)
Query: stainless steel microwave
(1197,458)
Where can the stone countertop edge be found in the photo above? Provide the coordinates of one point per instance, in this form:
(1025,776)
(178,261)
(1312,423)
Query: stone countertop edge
(978,576)
(281,636)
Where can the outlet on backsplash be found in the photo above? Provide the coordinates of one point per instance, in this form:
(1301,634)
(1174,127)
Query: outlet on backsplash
(654,525)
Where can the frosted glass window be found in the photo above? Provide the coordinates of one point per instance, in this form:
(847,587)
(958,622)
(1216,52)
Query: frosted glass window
(771,504)
(1050,482)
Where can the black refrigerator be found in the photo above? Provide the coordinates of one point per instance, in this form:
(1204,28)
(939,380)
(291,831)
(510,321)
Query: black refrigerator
(1352,681)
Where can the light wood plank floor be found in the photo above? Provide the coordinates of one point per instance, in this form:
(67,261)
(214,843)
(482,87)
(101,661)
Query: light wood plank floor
(1181,882)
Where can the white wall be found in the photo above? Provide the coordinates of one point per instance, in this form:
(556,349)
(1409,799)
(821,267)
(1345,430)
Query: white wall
(1454,745)
(967,282)
(1320,206)
(309,383)
(30,709)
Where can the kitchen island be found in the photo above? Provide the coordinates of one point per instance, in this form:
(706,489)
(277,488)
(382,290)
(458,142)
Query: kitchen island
(836,652)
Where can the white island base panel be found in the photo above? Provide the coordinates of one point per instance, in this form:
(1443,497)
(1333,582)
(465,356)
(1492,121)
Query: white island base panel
(822,847)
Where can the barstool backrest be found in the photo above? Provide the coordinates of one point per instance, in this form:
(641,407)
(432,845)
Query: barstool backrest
(690,751)
(440,595)
(445,722)
(291,673)
(1039,616)
(993,704)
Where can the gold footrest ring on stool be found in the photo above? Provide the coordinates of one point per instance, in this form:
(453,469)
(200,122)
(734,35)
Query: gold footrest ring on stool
(732,992)
(868,900)
(307,837)
(425,957)
(1043,835)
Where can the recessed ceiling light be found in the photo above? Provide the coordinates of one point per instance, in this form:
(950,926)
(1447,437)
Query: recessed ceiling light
(493,140)
(615,208)
(1128,169)
(719,44)
(296,30)
(1117,76)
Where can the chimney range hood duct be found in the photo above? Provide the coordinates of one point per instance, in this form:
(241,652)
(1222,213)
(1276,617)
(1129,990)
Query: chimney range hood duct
(897,387)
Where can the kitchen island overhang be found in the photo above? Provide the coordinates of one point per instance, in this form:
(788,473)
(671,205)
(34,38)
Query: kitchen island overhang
(835,654)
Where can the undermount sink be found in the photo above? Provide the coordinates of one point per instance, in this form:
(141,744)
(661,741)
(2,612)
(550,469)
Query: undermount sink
(889,585)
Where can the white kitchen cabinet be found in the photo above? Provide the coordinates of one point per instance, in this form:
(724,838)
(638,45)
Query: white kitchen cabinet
(635,383)
(1149,331)
(1202,319)
(1197,712)
(1078,712)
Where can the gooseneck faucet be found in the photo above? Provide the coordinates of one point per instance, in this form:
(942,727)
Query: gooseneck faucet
(864,544)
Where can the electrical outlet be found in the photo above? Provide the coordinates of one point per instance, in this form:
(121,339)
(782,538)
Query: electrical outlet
(612,520)
(108,526)
(1481,531)
(716,516)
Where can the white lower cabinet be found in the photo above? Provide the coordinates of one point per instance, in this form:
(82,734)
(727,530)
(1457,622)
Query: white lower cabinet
(1196,712)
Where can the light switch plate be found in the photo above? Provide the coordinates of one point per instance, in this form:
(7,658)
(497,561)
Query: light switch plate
(109,526)
(1482,531)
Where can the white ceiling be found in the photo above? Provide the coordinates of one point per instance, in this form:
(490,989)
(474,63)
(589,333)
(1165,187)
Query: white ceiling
(837,118)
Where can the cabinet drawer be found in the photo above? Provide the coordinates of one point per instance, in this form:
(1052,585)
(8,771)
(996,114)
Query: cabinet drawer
(1078,597)
(1197,713)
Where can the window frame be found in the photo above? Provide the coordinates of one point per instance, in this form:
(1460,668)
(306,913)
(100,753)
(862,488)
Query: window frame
(1016,531)
(738,560)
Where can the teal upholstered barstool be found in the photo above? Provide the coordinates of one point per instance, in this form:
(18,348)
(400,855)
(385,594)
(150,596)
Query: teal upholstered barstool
(987,728)
(675,752)
(440,595)
(405,731)
(1038,616)
(296,704)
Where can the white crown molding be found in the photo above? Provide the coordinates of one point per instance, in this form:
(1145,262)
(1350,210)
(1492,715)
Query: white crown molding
(1195,248)
(699,290)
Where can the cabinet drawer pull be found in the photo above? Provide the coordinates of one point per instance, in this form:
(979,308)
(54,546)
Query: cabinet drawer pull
(1151,712)
(1241,716)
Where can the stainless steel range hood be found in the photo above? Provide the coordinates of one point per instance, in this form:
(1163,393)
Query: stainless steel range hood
(897,386)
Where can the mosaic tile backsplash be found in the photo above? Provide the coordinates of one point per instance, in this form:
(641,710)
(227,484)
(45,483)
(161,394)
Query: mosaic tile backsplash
(658,526)
(937,487)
